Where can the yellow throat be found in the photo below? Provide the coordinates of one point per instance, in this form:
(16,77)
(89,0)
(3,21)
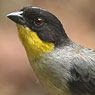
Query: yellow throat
(32,43)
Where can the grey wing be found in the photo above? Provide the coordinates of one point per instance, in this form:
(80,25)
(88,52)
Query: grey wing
(82,76)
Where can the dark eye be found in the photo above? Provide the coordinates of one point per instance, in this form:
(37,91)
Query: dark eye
(38,21)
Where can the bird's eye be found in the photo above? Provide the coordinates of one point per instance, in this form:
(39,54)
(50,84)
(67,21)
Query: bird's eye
(38,21)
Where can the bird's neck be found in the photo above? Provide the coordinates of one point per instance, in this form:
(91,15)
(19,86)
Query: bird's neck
(33,45)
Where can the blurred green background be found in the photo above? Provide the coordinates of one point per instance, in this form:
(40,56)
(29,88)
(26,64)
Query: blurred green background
(16,75)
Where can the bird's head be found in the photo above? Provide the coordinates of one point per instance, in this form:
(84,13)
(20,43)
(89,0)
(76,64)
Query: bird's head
(39,30)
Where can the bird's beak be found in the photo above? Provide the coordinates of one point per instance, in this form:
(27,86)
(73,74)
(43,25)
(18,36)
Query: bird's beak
(17,17)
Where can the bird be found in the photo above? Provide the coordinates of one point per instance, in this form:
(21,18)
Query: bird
(62,66)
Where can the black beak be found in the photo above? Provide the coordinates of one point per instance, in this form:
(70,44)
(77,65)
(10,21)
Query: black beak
(17,17)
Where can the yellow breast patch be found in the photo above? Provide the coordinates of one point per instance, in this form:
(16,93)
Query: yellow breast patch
(34,46)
